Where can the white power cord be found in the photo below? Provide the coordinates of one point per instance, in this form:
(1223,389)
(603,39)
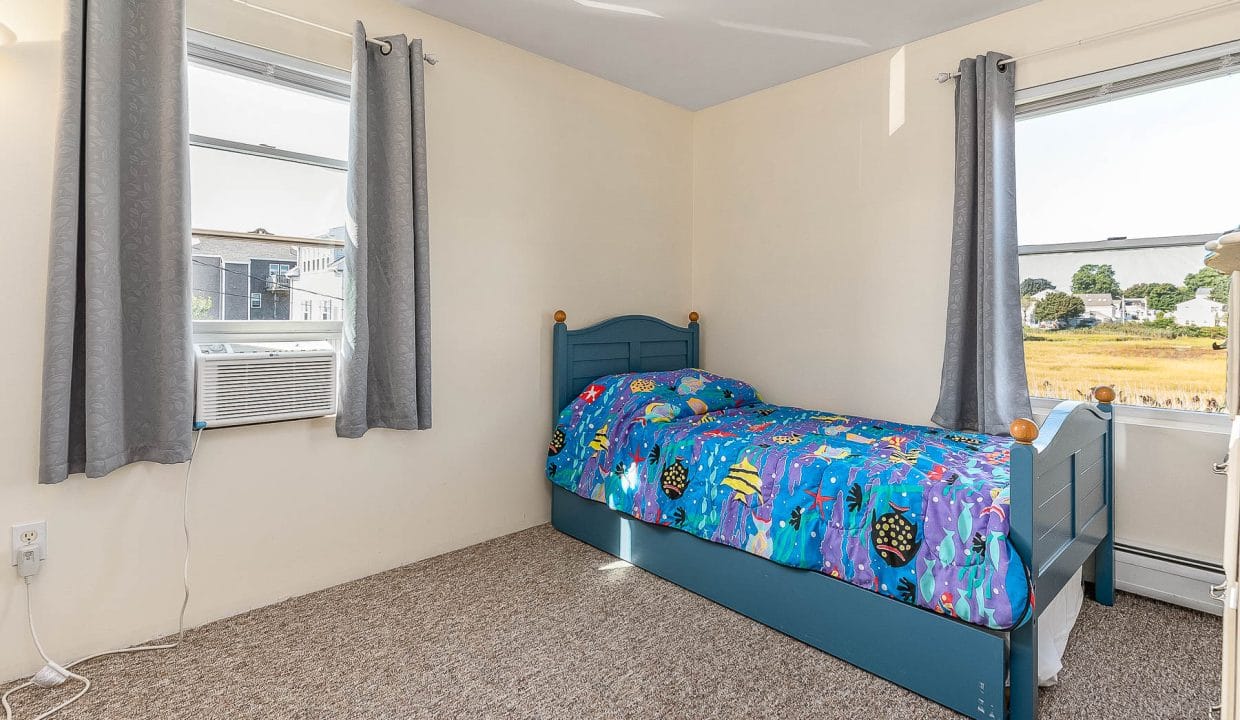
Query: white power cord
(53,674)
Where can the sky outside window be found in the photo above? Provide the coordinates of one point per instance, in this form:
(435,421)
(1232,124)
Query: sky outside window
(1158,164)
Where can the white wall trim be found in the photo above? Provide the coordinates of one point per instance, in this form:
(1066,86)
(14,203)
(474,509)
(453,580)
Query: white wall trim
(1215,423)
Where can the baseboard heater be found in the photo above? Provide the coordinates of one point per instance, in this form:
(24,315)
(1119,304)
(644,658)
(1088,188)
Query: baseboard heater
(1170,578)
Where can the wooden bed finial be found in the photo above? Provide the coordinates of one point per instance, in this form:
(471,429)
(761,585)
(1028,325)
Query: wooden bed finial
(560,316)
(1024,431)
(693,316)
(1104,394)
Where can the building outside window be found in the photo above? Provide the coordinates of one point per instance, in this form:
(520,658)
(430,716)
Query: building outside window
(319,278)
(1119,186)
(207,276)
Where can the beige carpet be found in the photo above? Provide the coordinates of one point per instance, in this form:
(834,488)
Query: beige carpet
(532,625)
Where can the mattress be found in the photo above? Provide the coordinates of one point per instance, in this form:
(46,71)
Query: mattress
(918,514)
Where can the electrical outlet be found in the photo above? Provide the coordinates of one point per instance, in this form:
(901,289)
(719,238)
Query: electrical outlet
(32,533)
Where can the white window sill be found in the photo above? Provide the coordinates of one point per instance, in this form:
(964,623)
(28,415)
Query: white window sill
(1217,423)
(257,330)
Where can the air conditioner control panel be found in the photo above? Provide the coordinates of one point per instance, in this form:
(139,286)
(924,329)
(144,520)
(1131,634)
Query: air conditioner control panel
(263,348)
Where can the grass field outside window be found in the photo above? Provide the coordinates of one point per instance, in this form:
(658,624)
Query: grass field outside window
(1177,373)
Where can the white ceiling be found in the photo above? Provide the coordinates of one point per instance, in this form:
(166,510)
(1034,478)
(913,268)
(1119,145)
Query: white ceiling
(697,53)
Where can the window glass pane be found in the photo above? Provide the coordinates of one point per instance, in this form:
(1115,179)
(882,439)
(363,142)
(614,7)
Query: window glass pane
(243,193)
(1151,165)
(246,279)
(231,107)
(1145,317)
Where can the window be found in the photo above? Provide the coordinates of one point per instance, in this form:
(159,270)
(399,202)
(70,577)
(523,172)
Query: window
(1121,178)
(268,142)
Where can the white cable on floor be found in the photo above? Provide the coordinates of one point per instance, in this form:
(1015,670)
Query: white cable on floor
(54,674)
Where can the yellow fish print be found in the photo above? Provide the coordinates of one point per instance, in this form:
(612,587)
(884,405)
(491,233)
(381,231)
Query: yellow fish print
(826,452)
(675,478)
(600,441)
(853,437)
(743,478)
(641,385)
(899,454)
(789,439)
(908,458)
(829,418)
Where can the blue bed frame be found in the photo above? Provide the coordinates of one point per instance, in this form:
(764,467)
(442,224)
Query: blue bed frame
(1061,519)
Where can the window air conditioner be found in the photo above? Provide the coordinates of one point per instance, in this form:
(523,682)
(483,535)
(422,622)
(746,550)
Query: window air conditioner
(244,383)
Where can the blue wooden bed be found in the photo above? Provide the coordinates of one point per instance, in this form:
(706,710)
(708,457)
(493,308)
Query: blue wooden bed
(1061,519)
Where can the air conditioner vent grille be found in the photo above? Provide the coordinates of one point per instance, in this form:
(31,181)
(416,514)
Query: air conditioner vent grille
(239,384)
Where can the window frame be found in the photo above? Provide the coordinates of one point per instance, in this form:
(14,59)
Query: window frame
(1129,80)
(1099,87)
(252,62)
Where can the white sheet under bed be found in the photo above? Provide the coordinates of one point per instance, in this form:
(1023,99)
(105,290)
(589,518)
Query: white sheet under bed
(1054,625)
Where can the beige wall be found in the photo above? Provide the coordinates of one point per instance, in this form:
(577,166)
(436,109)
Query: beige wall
(541,177)
(821,233)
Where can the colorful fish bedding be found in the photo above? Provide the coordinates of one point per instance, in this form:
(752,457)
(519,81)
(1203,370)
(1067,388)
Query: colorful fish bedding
(917,514)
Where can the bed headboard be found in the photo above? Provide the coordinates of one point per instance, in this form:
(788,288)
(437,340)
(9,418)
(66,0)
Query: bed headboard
(629,343)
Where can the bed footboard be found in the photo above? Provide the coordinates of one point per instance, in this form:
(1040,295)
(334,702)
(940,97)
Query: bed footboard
(1062,509)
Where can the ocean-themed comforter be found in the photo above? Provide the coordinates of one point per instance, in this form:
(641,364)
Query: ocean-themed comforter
(918,514)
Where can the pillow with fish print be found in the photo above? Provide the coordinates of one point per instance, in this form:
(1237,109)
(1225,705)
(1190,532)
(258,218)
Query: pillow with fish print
(662,396)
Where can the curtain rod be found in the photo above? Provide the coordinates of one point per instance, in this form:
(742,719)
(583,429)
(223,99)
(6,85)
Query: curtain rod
(945,76)
(384,46)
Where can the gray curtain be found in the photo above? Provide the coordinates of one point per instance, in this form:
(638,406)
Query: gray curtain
(385,381)
(118,377)
(984,386)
